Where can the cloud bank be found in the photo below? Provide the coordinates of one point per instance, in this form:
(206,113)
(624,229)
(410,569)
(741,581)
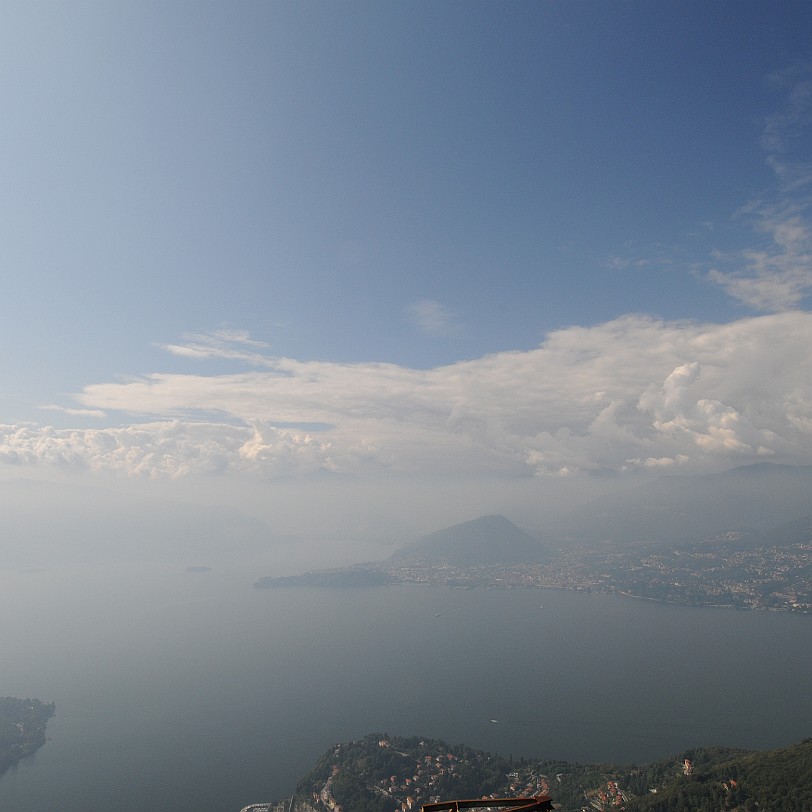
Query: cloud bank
(632,393)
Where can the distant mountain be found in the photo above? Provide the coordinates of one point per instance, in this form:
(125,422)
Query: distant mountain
(683,508)
(480,542)
(786,534)
(795,532)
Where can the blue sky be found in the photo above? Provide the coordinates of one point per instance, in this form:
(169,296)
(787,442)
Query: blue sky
(500,240)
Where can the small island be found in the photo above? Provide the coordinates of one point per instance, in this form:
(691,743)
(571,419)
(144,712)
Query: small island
(22,728)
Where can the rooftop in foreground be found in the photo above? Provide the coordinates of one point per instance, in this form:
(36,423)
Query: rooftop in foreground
(541,802)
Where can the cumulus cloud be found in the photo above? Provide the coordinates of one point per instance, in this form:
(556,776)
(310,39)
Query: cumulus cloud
(633,392)
(167,448)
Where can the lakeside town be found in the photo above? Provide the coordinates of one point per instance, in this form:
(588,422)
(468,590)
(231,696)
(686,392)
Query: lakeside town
(722,570)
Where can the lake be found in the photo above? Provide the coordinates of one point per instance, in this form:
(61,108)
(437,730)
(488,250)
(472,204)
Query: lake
(180,691)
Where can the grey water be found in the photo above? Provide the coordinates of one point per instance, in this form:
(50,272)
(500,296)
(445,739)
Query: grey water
(191,691)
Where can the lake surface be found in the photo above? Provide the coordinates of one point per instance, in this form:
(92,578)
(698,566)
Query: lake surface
(192,691)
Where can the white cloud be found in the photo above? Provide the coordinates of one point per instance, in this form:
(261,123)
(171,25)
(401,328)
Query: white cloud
(634,392)
(167,448)
(227,344)
(788,127)
(778,275)
(433,318)
(74,412)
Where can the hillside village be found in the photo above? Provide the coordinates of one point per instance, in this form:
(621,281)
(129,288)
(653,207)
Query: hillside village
(386,773)
(382,773)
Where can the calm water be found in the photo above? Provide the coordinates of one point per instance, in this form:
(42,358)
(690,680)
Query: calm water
(180,691)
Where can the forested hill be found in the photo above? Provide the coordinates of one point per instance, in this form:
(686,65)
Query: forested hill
(775,780)
(382,773)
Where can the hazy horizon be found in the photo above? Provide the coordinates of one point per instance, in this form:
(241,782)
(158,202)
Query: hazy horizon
(57,523)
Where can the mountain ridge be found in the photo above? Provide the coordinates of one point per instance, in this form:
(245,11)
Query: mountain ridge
(676,508)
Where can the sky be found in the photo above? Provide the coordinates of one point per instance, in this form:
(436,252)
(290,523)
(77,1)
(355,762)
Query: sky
(247,243)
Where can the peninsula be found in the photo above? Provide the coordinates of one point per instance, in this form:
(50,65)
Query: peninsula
(741,569)
(22,728)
